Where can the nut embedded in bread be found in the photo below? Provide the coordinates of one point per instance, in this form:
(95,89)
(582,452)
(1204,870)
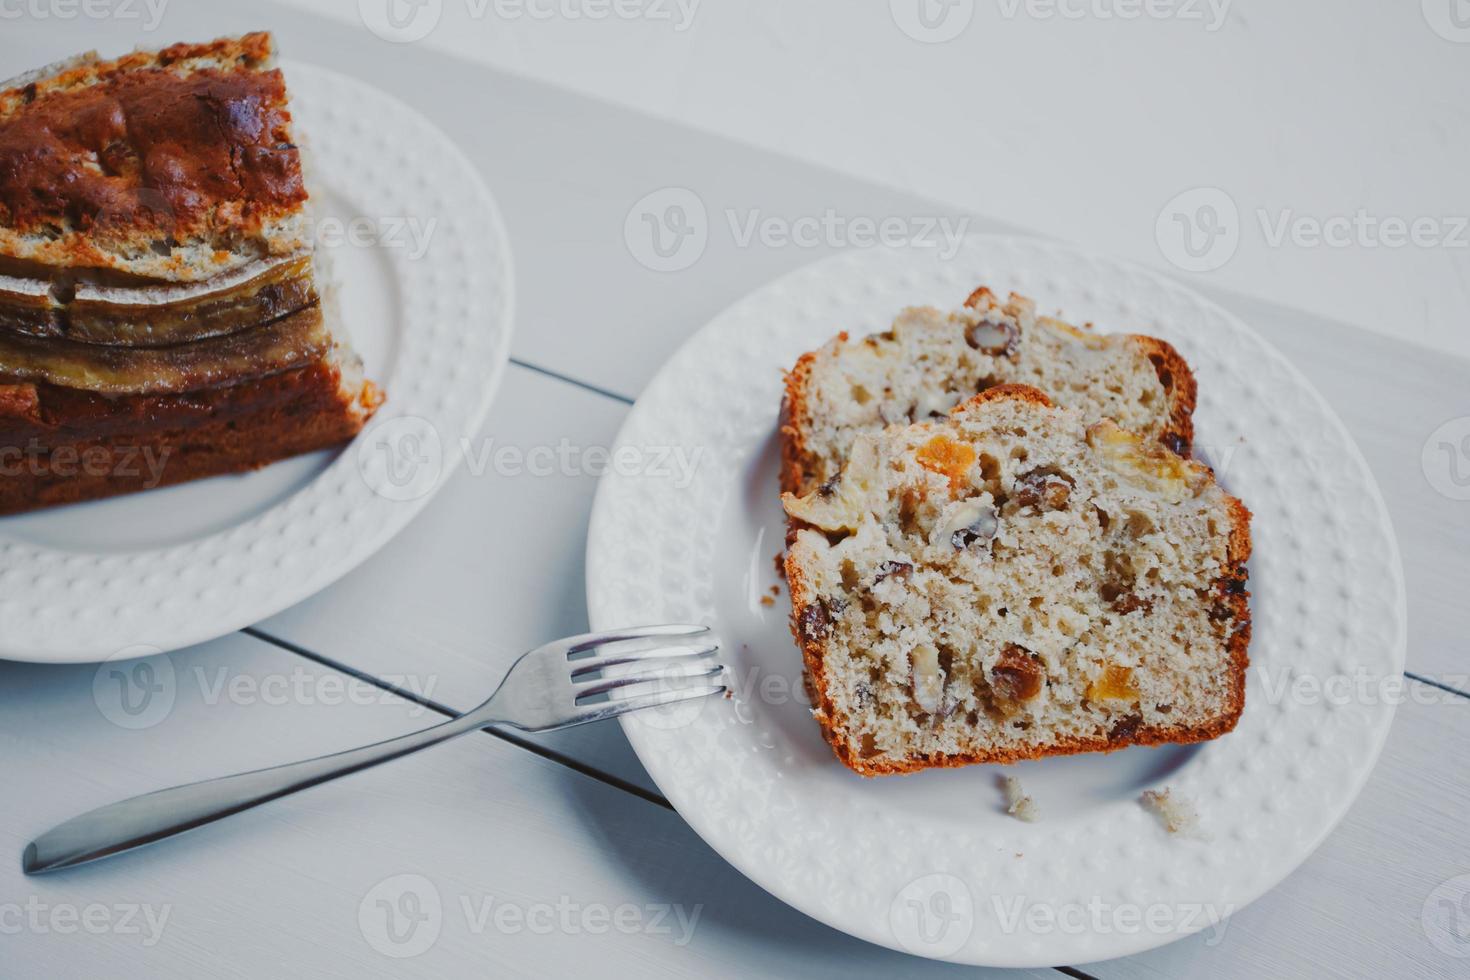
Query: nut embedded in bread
(1013,581)
(930,361)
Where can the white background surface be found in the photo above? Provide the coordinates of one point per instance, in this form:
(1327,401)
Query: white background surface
(495,566)
(1067,117)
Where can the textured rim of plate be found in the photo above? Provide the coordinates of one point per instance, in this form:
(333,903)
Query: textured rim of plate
(453,344)
(1271,792)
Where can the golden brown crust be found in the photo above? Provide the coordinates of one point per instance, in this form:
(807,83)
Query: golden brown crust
(795,418)
(65,447)
(1178,381)
(1230,596)
(253,50)
(175,164)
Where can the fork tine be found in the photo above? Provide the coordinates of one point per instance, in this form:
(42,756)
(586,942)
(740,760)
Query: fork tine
(614,709)
(652,657)
(587,641)
(650,681)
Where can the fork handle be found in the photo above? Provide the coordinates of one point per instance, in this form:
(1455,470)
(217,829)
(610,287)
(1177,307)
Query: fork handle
(142,820)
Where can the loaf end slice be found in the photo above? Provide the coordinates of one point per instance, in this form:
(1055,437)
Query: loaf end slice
(929,361)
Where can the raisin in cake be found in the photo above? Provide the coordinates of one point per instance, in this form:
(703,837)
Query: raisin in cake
(161,317)
(930,361)
(1014,581)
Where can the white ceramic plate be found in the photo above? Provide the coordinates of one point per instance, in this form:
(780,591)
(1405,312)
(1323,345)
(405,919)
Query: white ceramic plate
(417,246)
(931,863)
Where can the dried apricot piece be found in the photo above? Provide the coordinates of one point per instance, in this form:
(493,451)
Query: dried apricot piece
(1115,684)
(948,458)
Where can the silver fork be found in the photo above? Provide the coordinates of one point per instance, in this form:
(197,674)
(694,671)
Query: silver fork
(552,687)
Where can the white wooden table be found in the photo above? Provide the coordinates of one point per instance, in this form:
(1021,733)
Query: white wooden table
(557,856)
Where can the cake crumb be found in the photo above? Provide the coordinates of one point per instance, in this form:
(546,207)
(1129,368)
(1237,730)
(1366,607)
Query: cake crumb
(767,601)
(1175,812)
(775,590)
(781,565)
(1018,804)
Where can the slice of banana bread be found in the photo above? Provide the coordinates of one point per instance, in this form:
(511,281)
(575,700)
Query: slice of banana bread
(930,361)
(163,310)
(1012,581)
